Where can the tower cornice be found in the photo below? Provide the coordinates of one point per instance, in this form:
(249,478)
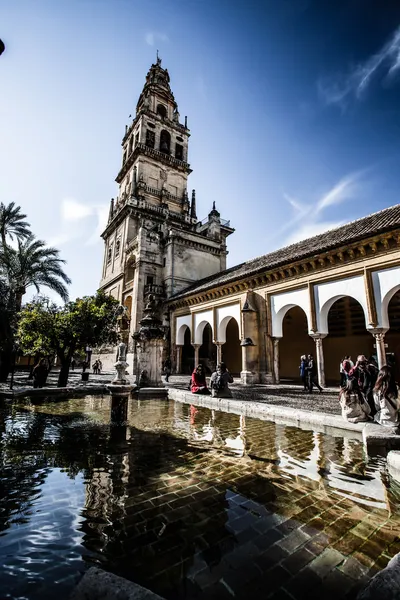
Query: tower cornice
(166,159)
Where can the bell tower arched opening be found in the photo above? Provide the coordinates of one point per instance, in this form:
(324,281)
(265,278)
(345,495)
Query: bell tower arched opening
(165,141)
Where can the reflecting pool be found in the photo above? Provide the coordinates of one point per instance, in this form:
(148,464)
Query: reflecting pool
(191,503)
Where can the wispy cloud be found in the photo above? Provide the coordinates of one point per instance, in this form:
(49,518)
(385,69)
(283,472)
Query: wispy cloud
(77,220)
(307,218)
(386,63)
(152,37)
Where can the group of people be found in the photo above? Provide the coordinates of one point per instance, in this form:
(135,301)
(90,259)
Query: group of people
(219,382)
(97,367)
(308,373)
(368,394)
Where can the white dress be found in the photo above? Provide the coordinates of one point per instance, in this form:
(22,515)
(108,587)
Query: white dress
(354,410)
(387,410)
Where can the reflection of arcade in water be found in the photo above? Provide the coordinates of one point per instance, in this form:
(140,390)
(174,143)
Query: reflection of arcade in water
(187,501)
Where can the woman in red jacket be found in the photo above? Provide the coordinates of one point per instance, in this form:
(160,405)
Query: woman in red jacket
(199,383)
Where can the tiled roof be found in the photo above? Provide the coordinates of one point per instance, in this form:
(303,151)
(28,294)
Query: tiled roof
(379,222)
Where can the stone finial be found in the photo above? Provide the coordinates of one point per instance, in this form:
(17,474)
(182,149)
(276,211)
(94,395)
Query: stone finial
(111,213)
(193,206)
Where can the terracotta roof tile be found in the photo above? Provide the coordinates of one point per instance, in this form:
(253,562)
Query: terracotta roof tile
(379,222)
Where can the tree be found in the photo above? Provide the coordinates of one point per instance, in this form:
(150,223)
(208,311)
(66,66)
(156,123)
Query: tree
(31,263)
(7,326)
(12,223)
(44,327)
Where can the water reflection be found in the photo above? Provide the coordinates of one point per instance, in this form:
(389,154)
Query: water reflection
(182,500)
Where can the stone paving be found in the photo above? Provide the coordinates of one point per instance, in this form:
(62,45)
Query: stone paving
(190,503)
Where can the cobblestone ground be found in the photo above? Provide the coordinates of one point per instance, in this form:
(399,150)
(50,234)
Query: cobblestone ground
(191,503)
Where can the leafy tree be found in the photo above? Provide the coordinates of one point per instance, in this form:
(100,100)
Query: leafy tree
(12,223)
(45,327)
(31,263)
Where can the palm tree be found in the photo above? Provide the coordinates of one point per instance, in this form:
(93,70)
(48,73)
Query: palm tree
(12,223)
(31,263)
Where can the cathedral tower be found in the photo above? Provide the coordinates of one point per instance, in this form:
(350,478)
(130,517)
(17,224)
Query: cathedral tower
(153,240)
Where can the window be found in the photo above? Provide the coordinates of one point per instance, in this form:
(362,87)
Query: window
(109,254)
(179,151)
(149,280)
(165,141)
(162,111)
(150,139)
(124,158)
(130,145)
(179,138)
(164,262)
(117,247)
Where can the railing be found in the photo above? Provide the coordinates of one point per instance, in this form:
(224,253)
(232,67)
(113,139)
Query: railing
(223,222)
(158,154)
(155,289)
(131,244)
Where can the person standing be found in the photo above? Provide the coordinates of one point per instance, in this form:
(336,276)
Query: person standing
(167,369)
(73,363)
(303,372)
(219,382)
(40,373)
(312,374)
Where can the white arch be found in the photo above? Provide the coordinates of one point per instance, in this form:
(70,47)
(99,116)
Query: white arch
(223,316)
(327,293)
(222,328)
(282,303)
(181,324)
(200,321)
(180,334)
(198,336)
(385,283)
(385,305)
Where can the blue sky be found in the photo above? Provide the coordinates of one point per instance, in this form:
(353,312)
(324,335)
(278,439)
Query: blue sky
(293,106)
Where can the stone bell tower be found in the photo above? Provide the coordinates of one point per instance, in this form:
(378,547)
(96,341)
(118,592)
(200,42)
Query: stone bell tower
(153,242)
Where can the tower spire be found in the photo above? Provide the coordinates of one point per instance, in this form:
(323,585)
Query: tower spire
(193,206)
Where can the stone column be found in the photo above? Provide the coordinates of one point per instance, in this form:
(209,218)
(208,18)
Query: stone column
(178,359)
(379,335)
(219,352)
(320,359)
(196,354)
(276,360)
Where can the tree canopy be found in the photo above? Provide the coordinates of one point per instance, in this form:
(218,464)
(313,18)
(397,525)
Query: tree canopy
(89,321)
(28,262)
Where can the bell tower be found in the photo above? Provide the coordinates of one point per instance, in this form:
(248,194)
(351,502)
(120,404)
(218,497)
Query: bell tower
(153,240)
